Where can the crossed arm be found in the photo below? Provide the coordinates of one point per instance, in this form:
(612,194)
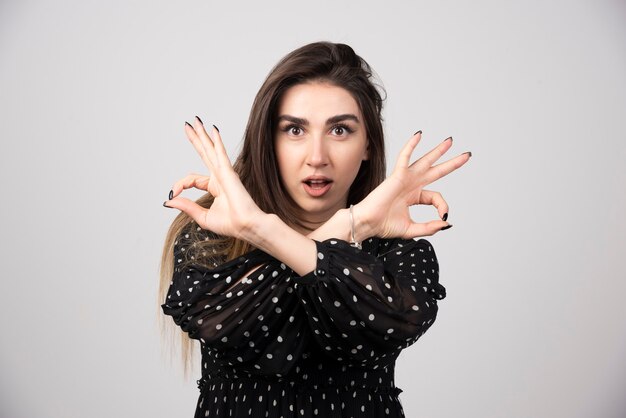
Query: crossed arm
(383,213)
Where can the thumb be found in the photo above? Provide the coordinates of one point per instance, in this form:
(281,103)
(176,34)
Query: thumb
(191,208)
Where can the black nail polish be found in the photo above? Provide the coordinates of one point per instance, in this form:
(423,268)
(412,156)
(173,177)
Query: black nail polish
(418,132)
(166,205)
(198,117)
(172,195)
(188,124)
(450,138)
(468,152)
(445,215)
(446,227)
(216,128)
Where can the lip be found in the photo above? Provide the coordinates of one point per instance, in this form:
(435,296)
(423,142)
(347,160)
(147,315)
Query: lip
(321,185)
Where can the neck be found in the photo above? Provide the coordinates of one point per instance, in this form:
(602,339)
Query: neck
(310,222)
(307,226)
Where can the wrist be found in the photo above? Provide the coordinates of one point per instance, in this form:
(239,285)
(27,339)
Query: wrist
(256,231)
(270,234)
(363,229)
(340,226)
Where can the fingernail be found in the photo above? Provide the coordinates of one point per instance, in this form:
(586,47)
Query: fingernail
(197,117)
(450,138)
(418,132)
(216,128)
(445,215)
(164,204)
(188,124)
(468,152)
(172,195)
(446,227)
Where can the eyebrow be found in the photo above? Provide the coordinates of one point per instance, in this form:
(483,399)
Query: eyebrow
(329,121)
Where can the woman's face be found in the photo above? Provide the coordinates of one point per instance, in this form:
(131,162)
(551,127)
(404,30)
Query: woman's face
(320,144)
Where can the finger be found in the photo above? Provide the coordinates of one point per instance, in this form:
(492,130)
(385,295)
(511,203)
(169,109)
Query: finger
(428,197)
(424,229)
(191,208)
(405,154)
(440,170)
(207,142)
(434,154)
(197,181)
(220,150)
(195,140)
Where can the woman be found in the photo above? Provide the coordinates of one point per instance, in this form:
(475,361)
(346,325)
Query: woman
(298,271)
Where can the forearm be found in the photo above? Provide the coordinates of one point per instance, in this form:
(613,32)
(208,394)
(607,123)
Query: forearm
(338,226)
(271,235)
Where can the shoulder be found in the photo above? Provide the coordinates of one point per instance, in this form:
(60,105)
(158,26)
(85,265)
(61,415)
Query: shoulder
(193,235)
(199,245)
(193,232)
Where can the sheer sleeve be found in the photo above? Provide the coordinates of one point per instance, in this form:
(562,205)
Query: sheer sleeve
(247,318)
(365,306)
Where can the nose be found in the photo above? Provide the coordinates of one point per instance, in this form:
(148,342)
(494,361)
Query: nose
(318,154)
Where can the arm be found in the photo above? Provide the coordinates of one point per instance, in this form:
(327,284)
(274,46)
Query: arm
(364,307)
(384,212)
(246,317)
(211,305)
(234,213)
(271,235)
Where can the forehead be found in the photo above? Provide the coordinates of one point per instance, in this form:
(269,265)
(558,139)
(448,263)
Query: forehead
(317,101)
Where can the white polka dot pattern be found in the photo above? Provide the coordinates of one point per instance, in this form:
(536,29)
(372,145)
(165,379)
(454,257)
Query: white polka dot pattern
(384,296)
(275,344)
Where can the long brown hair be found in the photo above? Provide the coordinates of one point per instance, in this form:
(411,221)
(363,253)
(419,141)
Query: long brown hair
(256,165)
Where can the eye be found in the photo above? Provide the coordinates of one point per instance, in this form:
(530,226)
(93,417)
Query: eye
(341,130)
(294,130)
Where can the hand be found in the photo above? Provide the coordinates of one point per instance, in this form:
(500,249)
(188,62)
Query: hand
(385,211)
(193,180)
(233,211)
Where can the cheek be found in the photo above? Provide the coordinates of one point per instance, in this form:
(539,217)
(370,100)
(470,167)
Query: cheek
(347,173)
(351,160)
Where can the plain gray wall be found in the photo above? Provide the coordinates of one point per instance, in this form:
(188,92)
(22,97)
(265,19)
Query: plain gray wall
(93,99)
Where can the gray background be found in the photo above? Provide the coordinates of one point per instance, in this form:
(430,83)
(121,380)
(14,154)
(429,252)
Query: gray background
(93,97)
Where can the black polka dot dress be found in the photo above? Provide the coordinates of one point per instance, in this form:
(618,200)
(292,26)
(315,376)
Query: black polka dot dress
(279,345)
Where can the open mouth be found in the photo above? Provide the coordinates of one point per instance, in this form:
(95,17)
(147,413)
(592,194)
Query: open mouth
(317,186)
